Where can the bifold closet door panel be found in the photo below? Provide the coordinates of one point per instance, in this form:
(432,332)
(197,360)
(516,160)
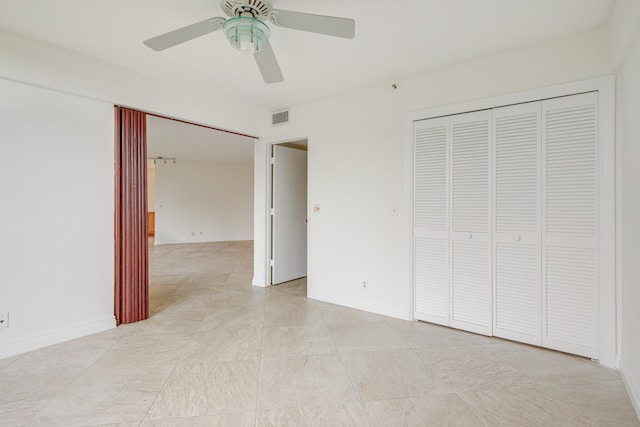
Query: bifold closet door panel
(517,226)
(431,223)
(470,222)
(570,224)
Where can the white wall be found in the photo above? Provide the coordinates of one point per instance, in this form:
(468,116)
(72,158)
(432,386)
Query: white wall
(212,200)
(357,171)
(56,220)
(40,64)
(623,29)
(629,91)
(151,187)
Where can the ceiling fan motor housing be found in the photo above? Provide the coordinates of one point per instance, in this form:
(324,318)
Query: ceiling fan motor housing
(246,34)
(258,8)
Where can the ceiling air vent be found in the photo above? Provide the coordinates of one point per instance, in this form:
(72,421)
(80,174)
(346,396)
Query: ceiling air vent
(280,118)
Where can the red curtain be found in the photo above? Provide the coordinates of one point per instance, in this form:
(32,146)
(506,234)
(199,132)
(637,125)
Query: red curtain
(131,263)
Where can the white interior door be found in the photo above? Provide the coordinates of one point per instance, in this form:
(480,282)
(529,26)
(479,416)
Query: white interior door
(289,214)
(471,290)
(570,224)
(517,289)
(431,223)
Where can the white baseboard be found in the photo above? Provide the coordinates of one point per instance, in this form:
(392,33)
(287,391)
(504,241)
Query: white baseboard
(633,388)
(56,337)
(360,305)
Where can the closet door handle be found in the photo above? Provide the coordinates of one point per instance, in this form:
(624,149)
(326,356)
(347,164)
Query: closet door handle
(469,236)
(518,238)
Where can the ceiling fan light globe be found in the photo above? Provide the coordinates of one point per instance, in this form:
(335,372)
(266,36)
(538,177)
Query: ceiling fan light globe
(247,46)
(248,35)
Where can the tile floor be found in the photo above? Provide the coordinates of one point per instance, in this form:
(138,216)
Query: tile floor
(218,352)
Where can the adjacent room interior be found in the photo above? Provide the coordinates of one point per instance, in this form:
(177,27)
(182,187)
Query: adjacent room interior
(200,203)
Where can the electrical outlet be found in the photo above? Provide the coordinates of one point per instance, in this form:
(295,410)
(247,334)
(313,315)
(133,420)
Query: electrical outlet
(4,320)
(365,285)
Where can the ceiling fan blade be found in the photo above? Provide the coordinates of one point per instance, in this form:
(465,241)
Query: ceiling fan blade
(184,34)
(329,25)
(268,64)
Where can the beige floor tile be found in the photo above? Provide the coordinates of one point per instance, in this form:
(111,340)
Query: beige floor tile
(602,404)
(8,361)
(294,315)
(545,365)
(70,356)
(522,406)
(364,336)
(149,358)
(231,296)
(422,334)
(225,344)
(285,300)
(199,279)
(244,268)
(304,381)
(208,388)
(433,410)
(169,321)
(305,340)
(235,316)
(120,386)
(134,424)
(217,349)
(23,395)
(222,420)
(335,314)
(240,279)
(341,415)
(471,368)
(296,287)
(96,403)
(29,383)
(391,374)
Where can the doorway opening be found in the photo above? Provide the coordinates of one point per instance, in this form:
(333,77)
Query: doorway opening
(203,204)
(195,216)
(288,216)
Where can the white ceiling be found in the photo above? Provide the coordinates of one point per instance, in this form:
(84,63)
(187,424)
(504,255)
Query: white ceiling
(169,138)
(393,39)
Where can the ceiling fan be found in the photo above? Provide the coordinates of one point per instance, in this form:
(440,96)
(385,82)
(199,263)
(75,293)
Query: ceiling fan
(246,30)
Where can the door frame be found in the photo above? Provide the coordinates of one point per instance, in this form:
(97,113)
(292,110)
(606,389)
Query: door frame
(262,205)
(609,192)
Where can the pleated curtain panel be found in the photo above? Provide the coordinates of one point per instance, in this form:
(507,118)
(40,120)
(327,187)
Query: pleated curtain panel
(131,245)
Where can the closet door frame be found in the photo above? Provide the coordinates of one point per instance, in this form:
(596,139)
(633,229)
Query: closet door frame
(608,226)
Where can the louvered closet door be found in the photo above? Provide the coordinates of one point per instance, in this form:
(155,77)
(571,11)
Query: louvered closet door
(517,289)
(470,216)
(431,263)
(570,218)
